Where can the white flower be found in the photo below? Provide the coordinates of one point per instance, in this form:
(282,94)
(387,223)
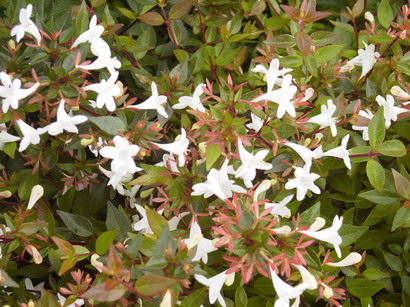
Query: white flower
(340,152)
(26,25)
(280,208)
(271,74)
(118,185)
(351,259)
(143,224)
(167,300)
(30,134)
(103,53)
(325,119)
(215,285)
(12,92)
(203,246)
(284,230)
(94,150)
(193,102)
(390,111)
(92,35)
(250,163)
(65,121)
(262,187)
(329,235)
(285,291)
(307,277)
(168,161)
(303,182)
(366,114)
(154,102)
(6,137)
(256,124)
(283,97)
(328,291)
(77,302)
(122,161)
(317,224)
(366,58)
(178,148)
(218,184)
(306,154)
(29,285)
(36,193)
(107,90)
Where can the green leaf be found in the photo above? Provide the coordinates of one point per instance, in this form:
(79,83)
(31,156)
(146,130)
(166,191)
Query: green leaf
(363,287)
(393,261)
(66,265)
(392,148)
(78,224)
(375,173)
(291,61)
(64,246)
(402,184)
(180,9)
(374,274)
(350,233)
(104,241)
(377,130)
(327,53)
(371,239)
(323,38)
(152,18)
(195,299)
(282,41)
(308,216)
(343,26)
(117,219)
(213,152)
(380,197)
(382,38)
(276,23)
(402,217)
(10,149)
(226,57)
(155,221)
(153,284)
(385,13)
(241,299)
(24,189)
(82,19)
(109,124)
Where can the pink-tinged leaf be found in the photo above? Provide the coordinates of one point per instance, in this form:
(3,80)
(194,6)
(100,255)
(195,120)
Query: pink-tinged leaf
(180,9)
(291,12)
(152,18)
(402,184)
(105,293)
(316,16)
(303,41)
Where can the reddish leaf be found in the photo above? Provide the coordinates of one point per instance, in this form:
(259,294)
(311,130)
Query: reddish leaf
(153,284)
(303,41)
(152,18)
(180,9)
(102,293)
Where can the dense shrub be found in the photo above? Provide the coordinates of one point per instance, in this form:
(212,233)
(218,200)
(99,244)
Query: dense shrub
(200,152)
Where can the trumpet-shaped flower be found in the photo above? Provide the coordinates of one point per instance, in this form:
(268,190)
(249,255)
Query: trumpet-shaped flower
(12,92)
(325,119)
(351,259)
(118,185)
(155,102)
(306,154)
(340,152)
(307,277)
(65,121)
(280,208)
(169,162)
(215,285)
(272,74)
(26,25)
(193,102)
(329,235)
(107,90)
(390,111)
(104,60)
(365,129)
(30,134)
(218,184)
(178,148)
(92,35)
(303,182)
(250,163)
(203,246)
(256,124)
(366,58)
(122,161)
(6,137)
(285,291)
(29,285)
(283,97)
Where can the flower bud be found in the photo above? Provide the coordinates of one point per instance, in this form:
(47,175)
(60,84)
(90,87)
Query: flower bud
(399,93)
(284,230)
(351,259)
(264,186)
(75,108)
(230,279)
(369,16)
(86,142)
(36,193)
(35,254)
(5,194)
(12,44)
(317,224)
(167,300)
(95,263)
(328,292)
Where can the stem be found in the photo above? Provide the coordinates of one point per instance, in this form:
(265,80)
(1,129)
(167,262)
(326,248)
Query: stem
(371,154)
(201,24)
(173,39)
